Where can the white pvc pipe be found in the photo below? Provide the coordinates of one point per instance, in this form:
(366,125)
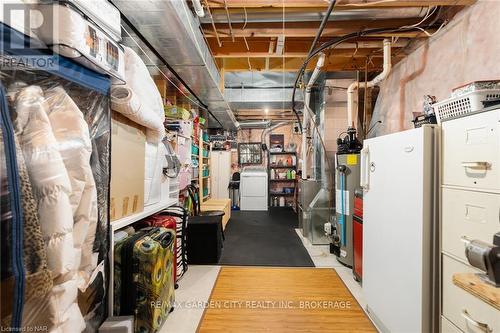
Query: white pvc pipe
(305,113)
(379,78)
(198,8)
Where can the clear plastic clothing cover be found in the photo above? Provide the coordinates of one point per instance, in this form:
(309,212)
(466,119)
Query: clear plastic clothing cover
(60,146)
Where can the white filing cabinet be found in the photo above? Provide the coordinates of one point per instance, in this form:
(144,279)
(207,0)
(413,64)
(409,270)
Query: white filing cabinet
(470,208)
(220,171)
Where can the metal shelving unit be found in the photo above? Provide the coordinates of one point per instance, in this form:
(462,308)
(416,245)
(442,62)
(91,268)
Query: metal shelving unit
(280,182)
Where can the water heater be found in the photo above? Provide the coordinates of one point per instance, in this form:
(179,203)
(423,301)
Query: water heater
(347,173)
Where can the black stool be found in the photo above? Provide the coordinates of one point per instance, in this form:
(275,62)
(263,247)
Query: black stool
(205,238)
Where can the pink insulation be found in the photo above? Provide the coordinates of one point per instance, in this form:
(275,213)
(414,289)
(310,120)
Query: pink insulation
(466,50)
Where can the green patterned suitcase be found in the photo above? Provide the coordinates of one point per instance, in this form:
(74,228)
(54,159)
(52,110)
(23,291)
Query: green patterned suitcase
(144,277)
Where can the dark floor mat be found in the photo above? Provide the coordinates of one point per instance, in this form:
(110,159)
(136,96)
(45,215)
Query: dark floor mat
(264,238)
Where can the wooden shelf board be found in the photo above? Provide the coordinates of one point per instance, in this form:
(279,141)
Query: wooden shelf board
(148,211)
(475,285)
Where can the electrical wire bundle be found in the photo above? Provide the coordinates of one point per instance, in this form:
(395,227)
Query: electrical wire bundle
(359,34)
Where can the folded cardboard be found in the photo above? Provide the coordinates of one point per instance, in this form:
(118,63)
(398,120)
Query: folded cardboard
(128,153)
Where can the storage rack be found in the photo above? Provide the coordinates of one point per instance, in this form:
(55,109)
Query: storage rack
(196,157)
(203,181)
(204,161)
(282,182)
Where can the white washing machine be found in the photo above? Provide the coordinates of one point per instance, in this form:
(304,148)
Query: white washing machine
(253,187)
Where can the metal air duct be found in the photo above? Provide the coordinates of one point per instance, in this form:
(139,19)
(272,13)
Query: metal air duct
(340,15)
(174,32)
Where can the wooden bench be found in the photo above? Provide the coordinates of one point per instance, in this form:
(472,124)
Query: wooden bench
(219,204)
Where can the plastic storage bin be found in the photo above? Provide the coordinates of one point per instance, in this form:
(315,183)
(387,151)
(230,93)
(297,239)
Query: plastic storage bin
(205,172)
(195,150)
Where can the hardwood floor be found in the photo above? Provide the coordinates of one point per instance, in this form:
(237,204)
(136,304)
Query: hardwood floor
(257,299)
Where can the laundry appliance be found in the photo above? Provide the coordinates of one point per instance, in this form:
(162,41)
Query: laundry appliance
(253,187)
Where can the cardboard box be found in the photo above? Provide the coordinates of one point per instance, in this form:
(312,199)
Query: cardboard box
(128,153)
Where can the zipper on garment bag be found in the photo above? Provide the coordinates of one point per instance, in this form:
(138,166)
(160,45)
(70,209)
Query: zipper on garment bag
(17,213)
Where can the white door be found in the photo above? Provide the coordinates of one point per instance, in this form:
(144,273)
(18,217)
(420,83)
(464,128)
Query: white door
(397,222)
(220,171)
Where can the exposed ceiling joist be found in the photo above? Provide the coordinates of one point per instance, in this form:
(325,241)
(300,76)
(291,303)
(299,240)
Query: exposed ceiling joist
(307,29)
(342,53)
(334,64)
(341,4)
(294,47)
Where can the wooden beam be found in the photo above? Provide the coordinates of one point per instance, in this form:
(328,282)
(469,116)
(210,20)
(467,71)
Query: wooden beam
(344,53)
(259,55)
(222,82)
(294,64)
(294,47)
(308,29)
(341,4)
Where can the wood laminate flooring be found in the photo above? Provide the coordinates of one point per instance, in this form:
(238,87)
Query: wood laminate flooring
(269,299)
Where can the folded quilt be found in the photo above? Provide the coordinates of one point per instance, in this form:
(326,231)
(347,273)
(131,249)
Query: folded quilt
(139,99)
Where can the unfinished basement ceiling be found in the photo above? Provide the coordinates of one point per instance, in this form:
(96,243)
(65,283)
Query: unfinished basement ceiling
(259,45)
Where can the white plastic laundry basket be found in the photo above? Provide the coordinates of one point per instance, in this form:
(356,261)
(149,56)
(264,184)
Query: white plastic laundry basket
(464,105)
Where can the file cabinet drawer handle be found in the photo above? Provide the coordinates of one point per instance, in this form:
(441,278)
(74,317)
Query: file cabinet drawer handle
(476,165)
(482,326)
(466,240)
